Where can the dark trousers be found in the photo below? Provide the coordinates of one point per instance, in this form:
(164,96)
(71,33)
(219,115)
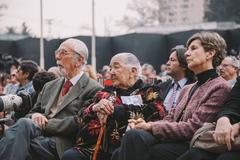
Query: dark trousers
(81,153)
(168,151)
(24,141)
(198,154)
(141,145)
(73,154)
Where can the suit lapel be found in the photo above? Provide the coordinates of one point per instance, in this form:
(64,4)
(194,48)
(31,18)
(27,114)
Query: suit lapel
(168,87)
(53,93)
(75,92)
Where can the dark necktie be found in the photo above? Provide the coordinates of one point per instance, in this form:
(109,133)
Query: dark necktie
(66,87)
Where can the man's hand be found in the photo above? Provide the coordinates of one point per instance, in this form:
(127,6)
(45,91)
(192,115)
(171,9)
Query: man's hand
(40,120)
(224,132)
(104,106)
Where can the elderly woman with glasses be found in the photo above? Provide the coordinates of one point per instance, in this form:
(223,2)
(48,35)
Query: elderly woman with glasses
(104,122)
(197,103)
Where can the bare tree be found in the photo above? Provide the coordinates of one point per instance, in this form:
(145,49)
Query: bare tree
(11,30)
(145,13)
(25,29)
(2,7)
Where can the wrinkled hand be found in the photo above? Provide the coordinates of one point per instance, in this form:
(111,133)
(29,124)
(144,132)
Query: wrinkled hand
(224,133)
(139,124)
(102,118)
(235,131)
(131,124)
(40,120)
(104,106)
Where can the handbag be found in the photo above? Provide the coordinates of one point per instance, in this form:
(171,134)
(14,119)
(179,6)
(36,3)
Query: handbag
(203,139)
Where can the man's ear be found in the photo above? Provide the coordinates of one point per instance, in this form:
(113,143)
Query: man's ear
(80,61)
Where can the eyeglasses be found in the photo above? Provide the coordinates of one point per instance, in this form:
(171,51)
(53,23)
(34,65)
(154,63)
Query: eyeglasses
(226,65)
(62,52)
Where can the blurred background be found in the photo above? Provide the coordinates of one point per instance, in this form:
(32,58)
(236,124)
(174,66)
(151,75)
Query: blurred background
(149,28)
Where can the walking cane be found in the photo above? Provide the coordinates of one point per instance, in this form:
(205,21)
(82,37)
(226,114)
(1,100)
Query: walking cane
(102,129)
(99,140)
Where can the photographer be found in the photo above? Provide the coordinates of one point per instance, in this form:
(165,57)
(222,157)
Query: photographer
(24,91)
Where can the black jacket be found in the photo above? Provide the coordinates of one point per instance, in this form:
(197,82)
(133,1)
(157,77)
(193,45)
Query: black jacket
(231,107)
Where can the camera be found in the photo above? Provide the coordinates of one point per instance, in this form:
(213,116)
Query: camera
(9,102)
(13,102)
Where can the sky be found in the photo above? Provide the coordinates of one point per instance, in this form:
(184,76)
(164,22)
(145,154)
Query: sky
(68,17)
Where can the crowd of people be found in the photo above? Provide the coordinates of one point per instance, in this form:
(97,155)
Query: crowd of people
(126,111)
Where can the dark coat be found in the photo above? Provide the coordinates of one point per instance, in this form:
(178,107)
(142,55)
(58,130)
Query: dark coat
(231,107)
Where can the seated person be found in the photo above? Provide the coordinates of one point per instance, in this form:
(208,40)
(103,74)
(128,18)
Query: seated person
(49,127)
(128,97)
(227,128)
(23,88)
(38,81)
(149,74)
(181,75)
(12,83)
(24,75)
(197,103)
(229,69)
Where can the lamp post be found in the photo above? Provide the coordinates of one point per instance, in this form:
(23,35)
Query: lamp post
(41,36)
(93,57)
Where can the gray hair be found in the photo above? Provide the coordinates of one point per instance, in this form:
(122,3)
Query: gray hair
(56,71)
(131,61)
(78,46)
(234,61)
(147,66)
(211,41)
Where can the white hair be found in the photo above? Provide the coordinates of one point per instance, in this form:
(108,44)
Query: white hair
(130,60)
(234,61)
(78,47)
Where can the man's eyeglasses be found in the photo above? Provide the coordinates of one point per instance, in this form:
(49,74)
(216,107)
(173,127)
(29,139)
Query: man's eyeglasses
(62,52)
(226,65)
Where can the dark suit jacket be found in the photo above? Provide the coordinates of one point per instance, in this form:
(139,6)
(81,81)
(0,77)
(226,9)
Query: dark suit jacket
(231,107)
(166,86)
(63,125)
